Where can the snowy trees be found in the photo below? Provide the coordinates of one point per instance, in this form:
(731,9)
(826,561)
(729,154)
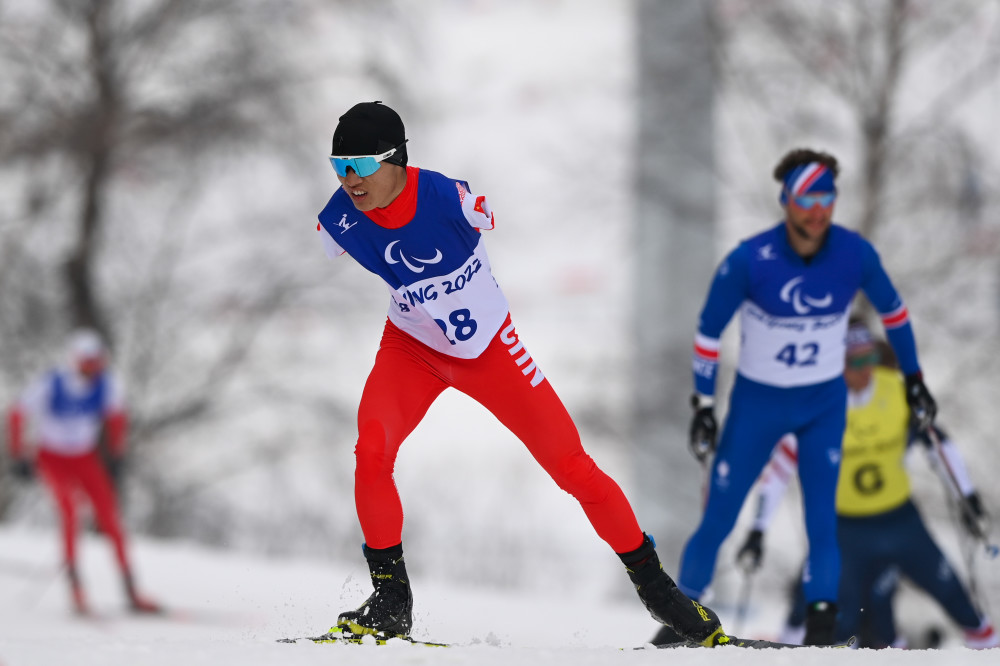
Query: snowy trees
(121,121)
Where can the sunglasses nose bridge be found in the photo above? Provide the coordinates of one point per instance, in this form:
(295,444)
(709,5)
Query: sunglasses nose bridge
(809,203)
(345,168)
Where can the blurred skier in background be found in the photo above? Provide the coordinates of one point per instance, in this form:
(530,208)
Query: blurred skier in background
(793,286)
(449,326)
(67,410)
(880,531)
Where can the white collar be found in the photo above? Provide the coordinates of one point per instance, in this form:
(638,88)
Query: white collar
(862,397)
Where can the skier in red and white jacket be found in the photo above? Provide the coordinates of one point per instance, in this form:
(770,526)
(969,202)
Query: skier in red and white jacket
(56,427)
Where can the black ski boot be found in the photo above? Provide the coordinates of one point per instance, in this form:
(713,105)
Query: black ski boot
(667,636)
(138,603)
(821,620)
(80,606)
(389,609)
(666,603)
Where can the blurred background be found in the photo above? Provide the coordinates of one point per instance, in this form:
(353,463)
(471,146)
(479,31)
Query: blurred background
(162,163)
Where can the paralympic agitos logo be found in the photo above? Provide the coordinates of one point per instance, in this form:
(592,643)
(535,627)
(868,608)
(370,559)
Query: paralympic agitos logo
(802,304)
(415,264)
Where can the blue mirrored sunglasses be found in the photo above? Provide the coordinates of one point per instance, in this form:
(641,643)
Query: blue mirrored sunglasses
(807,201)
(363,165)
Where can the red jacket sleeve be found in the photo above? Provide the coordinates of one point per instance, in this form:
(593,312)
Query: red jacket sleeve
(116,429)
(15,432)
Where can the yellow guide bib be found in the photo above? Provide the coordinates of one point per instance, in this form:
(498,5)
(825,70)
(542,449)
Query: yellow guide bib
(872,477)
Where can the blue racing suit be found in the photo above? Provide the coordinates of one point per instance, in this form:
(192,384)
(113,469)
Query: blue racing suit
(793,323)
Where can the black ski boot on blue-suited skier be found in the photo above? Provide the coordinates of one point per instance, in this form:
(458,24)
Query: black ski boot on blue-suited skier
(666,603)
(821,620)
(389,609)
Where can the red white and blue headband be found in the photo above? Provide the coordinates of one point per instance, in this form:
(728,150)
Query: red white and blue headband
(807,178)
(859,337)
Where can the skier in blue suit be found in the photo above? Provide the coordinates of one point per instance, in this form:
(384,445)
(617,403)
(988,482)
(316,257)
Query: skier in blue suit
(792,285)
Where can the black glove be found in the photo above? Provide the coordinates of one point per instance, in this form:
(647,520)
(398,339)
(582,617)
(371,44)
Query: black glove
(751,553)
(922,405)
(704,429)
(973,516)
(23,469)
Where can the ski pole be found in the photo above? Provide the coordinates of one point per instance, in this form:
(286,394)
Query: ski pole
(979,531)
(33,593)
(969,555)
(706,480)
(18,569)
(743,603)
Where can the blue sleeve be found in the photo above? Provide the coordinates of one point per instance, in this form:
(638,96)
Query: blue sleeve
(729,289)
(895,318)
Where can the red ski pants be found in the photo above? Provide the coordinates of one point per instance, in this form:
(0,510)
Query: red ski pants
(66,476)
(408,376)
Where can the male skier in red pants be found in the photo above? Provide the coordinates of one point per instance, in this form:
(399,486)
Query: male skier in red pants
(449,326)
(67,408)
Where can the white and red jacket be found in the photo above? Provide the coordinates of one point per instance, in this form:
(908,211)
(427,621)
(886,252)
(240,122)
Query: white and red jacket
(64,412)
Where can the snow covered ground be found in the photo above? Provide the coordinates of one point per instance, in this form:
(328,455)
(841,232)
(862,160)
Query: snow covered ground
(562,598)
(229,609)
